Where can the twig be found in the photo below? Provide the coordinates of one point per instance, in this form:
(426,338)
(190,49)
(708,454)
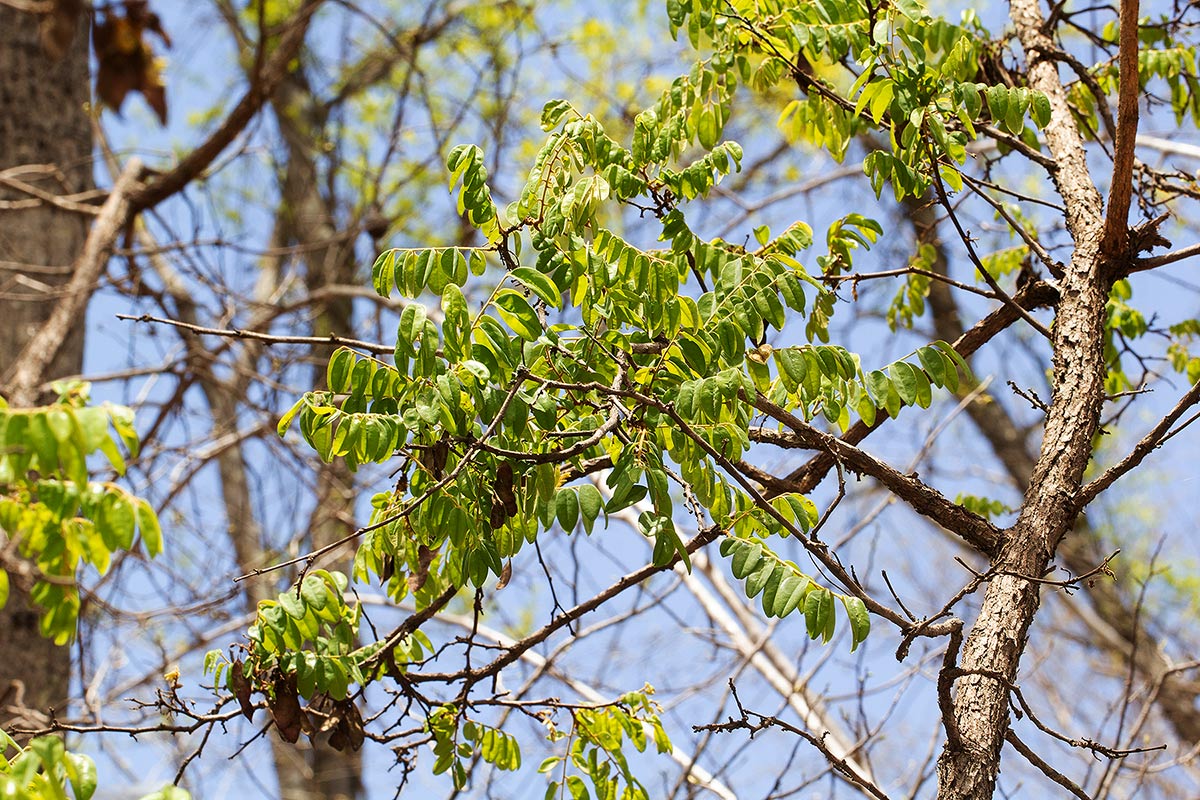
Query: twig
(1157,436)
(30,366)
(262,86)
(1047,770)
(764,721)
(268,338)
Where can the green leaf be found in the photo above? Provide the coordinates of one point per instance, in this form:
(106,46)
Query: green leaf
(934,366)
(790,594)
(168,793)
(314,592)
(860,621)
(147,522)
(818,614)
(1040,109)
(566,509)
(590,503)
(791,363)
(81,772)
(953,355)
(759,579)
(338,373)
(997,100)
(518,314)
(553,112)
(292,604)
(3,588)
(285,421)
(905,380)
(412,322)
(383,273)
(745,557)
(539,284)
(116,520)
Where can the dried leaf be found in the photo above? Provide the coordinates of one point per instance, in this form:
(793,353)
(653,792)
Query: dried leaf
(126,62)
(424,558)
(505,575)
(285,709)
(349,728)
(497,517)
(387,568)
(323,713)
(242,690)
(503,487)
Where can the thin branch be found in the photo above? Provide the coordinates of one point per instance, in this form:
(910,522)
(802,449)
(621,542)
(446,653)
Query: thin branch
(1047,770)
(1143,264)
(1114,243)
(765,721)
(923,499)
(262,86)
(805,478)
(629,580)
(1158,435)
(987,276)
(30,366)
(269,338)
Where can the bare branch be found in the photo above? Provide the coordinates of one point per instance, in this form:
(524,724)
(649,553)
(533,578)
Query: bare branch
(269,338)
(1154,439)
(40,350)
(923,499)
(1116,223)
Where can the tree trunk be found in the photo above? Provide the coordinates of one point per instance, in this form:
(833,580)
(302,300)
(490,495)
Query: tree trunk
(976,730)
(45,141)
(1114,621)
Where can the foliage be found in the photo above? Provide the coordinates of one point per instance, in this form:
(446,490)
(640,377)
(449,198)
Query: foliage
(596,740)
(53,513)
(556,368)
(45,770)
(595,363)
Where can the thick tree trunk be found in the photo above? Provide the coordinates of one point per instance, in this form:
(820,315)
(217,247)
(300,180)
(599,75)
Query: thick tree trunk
(970,762)
(1114,621)
(46,141)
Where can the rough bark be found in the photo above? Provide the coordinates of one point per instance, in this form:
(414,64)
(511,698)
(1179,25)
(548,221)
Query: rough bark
(52,150)
(1114,622)
(970,761)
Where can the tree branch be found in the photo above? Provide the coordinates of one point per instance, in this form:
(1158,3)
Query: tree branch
(923,499)
(1159,434)
(1114,244)
(268,338)
(31,364)
(805,478)
(264,83)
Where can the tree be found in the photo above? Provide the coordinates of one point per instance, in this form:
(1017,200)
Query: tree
(53,148)
(556,370)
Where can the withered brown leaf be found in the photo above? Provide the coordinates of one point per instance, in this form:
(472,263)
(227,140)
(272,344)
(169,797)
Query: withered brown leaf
(285,709)
(242,689)
(349,728)
(126,62)
(503,487)
(424,558)
(505,575)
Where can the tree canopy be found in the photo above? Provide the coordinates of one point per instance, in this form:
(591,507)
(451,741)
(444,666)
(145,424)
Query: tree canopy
(508,392)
